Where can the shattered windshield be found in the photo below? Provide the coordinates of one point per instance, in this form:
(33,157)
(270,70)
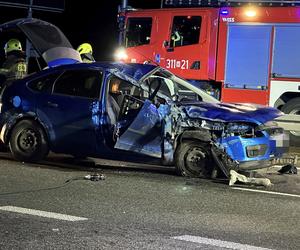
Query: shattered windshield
(168,86)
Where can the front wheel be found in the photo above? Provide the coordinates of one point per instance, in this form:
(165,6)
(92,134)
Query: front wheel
(193,159)
(28,142)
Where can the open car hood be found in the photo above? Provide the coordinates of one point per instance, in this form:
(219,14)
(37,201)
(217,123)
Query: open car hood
(46,38)
(230,112)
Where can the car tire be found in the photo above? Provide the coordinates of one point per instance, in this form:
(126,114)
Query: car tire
(193,159)
(293,107)
(28,141)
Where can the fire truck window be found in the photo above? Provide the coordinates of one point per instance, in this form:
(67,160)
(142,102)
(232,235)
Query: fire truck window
(286,53)
(138,31)
(185,30)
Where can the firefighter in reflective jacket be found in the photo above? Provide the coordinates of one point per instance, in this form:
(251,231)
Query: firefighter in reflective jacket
(14,67)
(86,52)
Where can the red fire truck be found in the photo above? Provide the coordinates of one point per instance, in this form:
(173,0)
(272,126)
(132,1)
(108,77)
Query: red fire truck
(239,51)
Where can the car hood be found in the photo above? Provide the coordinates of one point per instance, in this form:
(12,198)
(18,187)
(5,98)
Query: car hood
(230,112)
(46,38)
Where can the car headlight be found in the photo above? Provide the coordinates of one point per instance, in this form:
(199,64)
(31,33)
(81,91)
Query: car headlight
(269,124)
(239,128)
(271,127)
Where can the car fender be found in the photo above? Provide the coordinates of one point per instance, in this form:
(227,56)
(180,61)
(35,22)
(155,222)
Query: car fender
(200,135)
(13,120)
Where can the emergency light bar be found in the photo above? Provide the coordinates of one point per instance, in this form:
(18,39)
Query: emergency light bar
(233,3)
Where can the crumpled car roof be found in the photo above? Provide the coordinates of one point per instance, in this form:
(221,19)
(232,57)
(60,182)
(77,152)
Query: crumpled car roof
(132,72)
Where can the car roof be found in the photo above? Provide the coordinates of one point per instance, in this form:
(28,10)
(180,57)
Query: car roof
(134,71)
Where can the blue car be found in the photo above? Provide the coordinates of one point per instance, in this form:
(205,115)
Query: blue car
(104,109)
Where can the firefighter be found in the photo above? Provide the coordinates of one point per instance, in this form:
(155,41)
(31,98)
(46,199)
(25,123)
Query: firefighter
(176,37)
(14,66)
(86,52)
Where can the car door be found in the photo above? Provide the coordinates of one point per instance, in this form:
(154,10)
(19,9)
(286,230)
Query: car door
(72,111)
(144,135)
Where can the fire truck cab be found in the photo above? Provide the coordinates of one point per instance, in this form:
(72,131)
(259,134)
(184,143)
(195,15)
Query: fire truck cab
(238,51)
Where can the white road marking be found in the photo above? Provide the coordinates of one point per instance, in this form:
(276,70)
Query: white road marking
(40,213)
(218,243)
(266,192)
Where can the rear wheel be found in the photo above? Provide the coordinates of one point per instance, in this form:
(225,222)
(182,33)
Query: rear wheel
(193,159)
(293,107)
(28,142)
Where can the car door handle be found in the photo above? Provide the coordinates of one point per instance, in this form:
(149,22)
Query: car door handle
(52,104)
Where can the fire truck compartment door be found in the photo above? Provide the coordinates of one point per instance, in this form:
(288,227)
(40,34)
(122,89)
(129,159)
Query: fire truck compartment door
(286,53)
(248,56)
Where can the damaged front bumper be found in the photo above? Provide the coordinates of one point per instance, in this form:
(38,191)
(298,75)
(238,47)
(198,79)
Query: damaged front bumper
(247,154)
(256,152)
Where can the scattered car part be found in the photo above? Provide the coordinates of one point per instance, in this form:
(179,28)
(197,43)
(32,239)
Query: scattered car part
(94,177)
(234,177)
(288,169)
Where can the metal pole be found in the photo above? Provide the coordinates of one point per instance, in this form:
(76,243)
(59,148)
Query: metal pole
(121,21)
(124,4)
(28,44)
(161,4)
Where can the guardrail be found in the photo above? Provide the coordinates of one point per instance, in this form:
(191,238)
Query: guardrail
(289,122)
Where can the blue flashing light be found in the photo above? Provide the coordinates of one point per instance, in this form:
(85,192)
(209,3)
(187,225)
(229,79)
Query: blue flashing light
(224,12)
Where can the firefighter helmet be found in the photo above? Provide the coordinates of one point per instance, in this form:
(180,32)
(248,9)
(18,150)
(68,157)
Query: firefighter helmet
(11,45)
(85,48)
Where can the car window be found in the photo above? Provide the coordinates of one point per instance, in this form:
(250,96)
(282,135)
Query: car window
(165,85)
(44,83)
(118,88)
(83,83)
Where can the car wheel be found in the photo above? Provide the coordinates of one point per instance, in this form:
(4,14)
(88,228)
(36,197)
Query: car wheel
(293,107)
(28,141)
(193,159)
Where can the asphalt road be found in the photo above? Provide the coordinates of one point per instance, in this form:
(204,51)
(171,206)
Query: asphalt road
(140,207)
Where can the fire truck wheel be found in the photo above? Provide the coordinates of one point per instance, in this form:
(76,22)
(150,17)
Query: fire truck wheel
(28,141)
(293,107)
(193,159)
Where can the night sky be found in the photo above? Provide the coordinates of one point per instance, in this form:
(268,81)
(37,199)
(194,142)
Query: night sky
(93,21)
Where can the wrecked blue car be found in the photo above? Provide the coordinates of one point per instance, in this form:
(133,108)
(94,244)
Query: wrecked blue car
(102,109)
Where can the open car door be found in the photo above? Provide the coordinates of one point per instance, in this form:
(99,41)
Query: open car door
(144,135)
(46,38)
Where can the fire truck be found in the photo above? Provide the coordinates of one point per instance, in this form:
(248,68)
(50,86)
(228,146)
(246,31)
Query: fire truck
(238,51)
